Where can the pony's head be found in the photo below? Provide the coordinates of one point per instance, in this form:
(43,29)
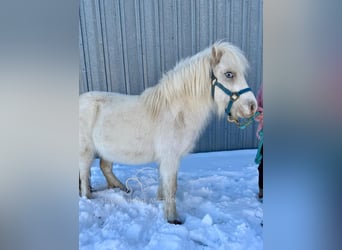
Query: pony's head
(230,90)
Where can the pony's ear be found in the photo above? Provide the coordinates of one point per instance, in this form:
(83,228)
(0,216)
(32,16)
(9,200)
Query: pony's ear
(216,55)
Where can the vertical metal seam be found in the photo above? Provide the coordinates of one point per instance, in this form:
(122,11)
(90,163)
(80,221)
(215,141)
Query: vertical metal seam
(143,46)
(230,28)
(231,23)
(108,63)
(107,55)
(198,27)
(103,43)
(243,27)
(83,51)
(120,35)
(210,39)
(99,42)
(139,39)
(178,30)
(211,22)
(215,21)
(157,74)
(192,24)
(229,20)
(245,17)
(123,44)
(87,54)
(161,35)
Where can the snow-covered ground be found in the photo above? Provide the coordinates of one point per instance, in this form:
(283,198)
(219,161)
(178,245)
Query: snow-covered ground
(216,199)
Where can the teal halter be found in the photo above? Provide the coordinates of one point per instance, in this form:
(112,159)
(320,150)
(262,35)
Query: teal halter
(234,96)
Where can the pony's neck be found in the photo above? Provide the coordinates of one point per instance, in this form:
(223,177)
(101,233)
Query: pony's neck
(190,78)
(187,86)
(192,89)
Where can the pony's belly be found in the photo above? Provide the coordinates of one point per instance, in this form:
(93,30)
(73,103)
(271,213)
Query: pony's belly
(126,156)
(124,147)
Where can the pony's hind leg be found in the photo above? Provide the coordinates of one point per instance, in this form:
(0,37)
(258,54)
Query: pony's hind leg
(112,181)
(85,161)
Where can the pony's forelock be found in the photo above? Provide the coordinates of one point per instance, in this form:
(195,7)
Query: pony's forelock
(236,54)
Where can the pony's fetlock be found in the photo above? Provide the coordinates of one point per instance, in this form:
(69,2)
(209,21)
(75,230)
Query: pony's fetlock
(117,184)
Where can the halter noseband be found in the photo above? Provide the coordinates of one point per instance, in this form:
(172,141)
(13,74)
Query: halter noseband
(234,96)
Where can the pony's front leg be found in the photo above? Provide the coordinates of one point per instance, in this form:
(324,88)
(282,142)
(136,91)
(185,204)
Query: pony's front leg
(160,194)
(168,176)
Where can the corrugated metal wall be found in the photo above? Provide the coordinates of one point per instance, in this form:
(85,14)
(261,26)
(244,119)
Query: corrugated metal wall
(126,45)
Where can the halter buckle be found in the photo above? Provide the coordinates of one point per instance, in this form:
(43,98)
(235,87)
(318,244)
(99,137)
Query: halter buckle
(234,97)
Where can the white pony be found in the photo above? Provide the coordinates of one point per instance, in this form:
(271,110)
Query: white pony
(164,122)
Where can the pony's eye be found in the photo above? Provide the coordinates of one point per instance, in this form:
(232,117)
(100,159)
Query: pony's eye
(229,74)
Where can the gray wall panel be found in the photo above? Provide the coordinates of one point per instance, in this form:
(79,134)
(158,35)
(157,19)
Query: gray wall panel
(126,46)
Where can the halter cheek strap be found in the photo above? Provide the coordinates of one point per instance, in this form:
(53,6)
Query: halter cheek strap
(233,96)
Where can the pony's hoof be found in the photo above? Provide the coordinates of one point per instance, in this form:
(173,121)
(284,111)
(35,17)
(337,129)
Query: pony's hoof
(86,196)
(261,193)
(175,222)
(121,187)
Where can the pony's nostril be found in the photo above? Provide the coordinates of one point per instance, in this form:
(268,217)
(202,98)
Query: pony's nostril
(252,106)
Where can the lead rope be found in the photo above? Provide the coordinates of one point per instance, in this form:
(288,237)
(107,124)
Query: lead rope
(243,125)
(137,179)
